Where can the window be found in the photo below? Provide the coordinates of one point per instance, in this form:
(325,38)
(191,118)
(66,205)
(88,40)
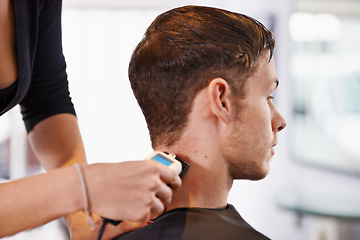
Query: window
(326,72)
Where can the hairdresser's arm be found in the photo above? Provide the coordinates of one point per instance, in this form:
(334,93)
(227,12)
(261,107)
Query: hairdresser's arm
(57,143)
(36,200)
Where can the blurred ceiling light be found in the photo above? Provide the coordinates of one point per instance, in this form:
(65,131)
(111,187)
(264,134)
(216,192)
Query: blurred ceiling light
(308,27)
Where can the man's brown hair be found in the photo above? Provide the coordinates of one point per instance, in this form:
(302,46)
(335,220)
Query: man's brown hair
(181,52)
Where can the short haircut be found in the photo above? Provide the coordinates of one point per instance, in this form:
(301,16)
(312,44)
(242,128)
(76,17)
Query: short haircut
(181,52)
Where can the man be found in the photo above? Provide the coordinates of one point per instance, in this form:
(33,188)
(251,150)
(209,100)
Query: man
(204,79)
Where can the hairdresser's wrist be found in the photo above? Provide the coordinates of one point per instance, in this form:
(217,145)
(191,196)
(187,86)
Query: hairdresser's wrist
(74,199)
(92,180)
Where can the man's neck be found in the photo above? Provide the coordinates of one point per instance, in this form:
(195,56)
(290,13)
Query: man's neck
(205,185)
(208,180)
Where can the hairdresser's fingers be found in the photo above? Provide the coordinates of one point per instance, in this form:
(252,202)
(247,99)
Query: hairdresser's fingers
(157,208)
(169,176)
(164,193)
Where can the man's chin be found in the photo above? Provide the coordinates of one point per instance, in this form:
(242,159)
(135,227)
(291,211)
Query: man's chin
(255,176)
(261,173)
(258,177)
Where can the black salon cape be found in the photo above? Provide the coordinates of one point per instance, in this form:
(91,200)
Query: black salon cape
(42,80)
(197,224)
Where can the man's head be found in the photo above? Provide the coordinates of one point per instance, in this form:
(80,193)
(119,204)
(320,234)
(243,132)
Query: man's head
(181,52)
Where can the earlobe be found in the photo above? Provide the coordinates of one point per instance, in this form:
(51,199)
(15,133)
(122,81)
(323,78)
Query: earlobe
(219,92)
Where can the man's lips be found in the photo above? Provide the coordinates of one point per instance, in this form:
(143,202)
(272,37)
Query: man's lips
(272,148)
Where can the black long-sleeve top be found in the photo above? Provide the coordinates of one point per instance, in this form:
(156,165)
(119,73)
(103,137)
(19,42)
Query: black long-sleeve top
(42,80)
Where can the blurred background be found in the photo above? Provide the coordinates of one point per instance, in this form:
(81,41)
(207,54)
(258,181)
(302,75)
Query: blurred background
(313,189)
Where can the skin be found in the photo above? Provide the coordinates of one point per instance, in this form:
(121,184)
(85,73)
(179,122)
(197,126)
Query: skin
(8,67)
(252,135)
(228,138)
(135,191)
(36,200)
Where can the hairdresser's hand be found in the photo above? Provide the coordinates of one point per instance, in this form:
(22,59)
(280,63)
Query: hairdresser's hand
(135,190)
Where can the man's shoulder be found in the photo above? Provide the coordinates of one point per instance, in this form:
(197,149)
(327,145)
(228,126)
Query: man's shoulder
(197,223)
(170,225)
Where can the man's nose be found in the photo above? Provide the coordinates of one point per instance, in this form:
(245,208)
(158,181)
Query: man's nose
(278,122)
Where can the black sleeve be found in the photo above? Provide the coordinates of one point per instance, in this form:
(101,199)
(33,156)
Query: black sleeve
(48,94)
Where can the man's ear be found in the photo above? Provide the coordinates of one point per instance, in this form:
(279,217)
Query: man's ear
(219,97)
